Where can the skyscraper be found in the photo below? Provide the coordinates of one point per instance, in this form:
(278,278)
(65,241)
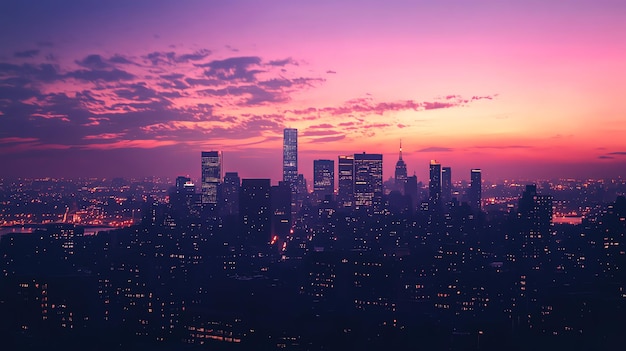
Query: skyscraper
(280,198)
(345,173)
(230,193)
(323,179)
(255,204)
(475,191)
(446,184)
(211,176)
(410,190)
(400,174)
(290,157)
(434,186)
(368,181)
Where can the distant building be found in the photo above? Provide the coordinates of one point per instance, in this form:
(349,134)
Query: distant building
(280,198)
(368,181)
(323,179)
(211,176)
(400,173)
(254,209)
(290,157)
(475,191)
(434,186)
(230,193)
(410,190)
(446,184)
(345,173)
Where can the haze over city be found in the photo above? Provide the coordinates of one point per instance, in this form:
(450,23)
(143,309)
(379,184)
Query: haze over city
(528,89)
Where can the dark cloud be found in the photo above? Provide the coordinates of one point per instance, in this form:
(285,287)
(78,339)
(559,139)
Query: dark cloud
(605,157)
(620,153)
(120,59)
(251,94)
(95,62)
(26,53)
(42,72)
(170,58)
(203,81)
(95,75)
(233,69)
(436,149)
(316,132)
(284,62)
(331,72)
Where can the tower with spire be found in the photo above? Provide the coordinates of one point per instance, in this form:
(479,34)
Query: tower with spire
(400,174)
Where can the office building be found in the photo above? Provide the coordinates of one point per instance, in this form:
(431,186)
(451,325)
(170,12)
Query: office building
(230,193)
(254,209)
(368,181)
(211,176)
(290,157)
(434,186)
(475,191)
(323,179)
(446,184)
(345,173)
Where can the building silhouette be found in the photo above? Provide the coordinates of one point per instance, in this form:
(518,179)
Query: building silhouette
(400,173)
(280,198)
(254,209)
(475,191)
(434,185)
(368,181)
(211,176)
(290,157)
(446,184)
(323,179)
(230,193)
(345,173)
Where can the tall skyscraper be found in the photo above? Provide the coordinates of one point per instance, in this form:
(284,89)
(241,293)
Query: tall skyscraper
(280,198)
(290,157)
(446,184)
(323,179)
(211,176)
(434,186)
(400,174)
(345,173)
(230,193)
(368,181)
(254,209)
(475,191)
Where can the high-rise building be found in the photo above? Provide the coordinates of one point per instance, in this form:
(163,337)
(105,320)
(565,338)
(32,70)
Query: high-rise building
(290,157)
(475,191)
(230,193)
(254,209)
(345,172)
(323,179)
(368,181)
(410,190)
(280,197)
(446,184)
(211,176)
(434,185)
(400,174)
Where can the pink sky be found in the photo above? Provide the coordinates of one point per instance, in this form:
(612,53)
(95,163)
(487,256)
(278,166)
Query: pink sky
(520,90)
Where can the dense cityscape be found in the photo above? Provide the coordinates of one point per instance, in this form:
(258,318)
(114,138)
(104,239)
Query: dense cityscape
(345,261)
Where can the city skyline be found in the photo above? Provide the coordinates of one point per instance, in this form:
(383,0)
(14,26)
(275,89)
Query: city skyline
(529,90)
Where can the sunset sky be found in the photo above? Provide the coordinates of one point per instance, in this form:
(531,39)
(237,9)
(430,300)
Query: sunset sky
(521,89)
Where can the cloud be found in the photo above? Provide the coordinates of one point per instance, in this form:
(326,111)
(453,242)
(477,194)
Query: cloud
(620,153)
(233,69)
(26,53)
(94,75)
(284,62)
(500,147)
(324,125)
(331,72)
(605,157)
(94,62)
(329,139)
(172,58)
(436,149)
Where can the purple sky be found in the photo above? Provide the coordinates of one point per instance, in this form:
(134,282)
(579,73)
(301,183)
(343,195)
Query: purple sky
(117,88)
